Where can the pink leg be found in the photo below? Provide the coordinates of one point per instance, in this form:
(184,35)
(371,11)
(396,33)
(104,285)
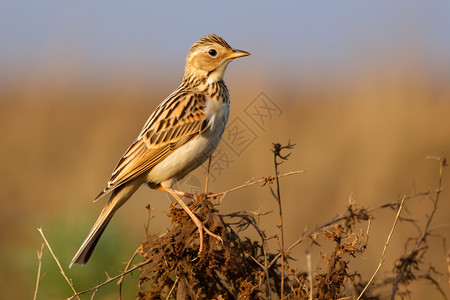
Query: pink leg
(179,193)
(201,227)
(211,195)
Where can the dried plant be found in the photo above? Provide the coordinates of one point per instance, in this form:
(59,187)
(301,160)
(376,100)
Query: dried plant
(244,268)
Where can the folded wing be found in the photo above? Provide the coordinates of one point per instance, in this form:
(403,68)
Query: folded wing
(177,120)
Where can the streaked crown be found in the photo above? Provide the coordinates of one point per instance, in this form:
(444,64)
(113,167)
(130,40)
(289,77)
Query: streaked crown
(209,57)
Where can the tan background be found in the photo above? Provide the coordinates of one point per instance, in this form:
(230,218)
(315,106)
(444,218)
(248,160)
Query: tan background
(363,129)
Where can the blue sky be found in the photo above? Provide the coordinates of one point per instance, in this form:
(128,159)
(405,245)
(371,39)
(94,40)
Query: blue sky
(286,34)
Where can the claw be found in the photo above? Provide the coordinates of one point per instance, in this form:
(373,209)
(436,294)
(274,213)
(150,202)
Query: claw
(200,226)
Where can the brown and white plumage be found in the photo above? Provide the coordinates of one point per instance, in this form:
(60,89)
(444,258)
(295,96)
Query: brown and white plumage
(179,136)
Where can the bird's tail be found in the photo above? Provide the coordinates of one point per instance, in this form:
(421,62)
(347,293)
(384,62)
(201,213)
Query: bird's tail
(118,197)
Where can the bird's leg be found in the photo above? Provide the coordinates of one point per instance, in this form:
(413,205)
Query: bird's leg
(212,195)
(194,218)
(179,193)
(188,195)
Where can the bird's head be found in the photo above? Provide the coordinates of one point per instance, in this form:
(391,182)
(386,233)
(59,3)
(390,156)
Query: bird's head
(209,57)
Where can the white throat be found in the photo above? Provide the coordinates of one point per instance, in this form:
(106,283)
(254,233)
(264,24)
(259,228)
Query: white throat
(217,74)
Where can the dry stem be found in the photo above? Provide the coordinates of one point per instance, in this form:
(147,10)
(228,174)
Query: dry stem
(119,283)
(39,255)
(426,231)
(251,182)
(208,174)
(277,148)
(383,255)
(57,262)
(110,279)
(310,274)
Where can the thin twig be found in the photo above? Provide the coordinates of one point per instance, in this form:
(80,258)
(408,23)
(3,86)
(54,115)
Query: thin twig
(110,279)
(93,294)
(367,232)
(249,217)
(344,216)
(251,182)
(39,255)
(310,274)
(257,262)
(281,226)
(147,225)
(265,249)
(436,199)
(447,258)
(174,284)
(208,174)
(307,236)
(266,268)
(426,231)
(448,267)
(383,255)
(119,283)
(57,261)
(277,148)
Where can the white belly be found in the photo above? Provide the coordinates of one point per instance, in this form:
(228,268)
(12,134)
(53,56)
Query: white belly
(194,153)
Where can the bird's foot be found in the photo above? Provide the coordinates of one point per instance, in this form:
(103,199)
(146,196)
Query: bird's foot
(201,227)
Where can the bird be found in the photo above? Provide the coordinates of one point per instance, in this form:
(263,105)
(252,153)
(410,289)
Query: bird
(179,136)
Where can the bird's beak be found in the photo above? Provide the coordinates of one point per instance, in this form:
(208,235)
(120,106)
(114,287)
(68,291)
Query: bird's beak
(237,53)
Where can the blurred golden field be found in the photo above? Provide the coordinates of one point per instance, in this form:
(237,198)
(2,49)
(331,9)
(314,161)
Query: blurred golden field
(366,135)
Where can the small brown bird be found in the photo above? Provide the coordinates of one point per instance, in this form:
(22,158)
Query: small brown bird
(181,134)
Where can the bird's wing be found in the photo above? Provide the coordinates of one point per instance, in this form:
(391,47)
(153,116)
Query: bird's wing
(177,120)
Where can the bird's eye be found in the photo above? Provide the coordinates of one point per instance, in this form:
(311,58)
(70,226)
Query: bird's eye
(212,52)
